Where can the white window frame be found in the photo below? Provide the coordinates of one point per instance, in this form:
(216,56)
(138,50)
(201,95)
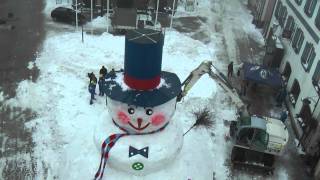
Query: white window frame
(317,20)
(310,53)
(299,38)
(309,8)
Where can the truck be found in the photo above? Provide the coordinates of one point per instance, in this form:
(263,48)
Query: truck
(256,140)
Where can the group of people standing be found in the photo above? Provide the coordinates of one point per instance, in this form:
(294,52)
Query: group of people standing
(103,75)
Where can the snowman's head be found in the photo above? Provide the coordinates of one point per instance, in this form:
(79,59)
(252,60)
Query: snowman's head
(136,119)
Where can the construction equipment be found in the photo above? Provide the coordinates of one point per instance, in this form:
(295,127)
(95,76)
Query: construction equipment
(257,140)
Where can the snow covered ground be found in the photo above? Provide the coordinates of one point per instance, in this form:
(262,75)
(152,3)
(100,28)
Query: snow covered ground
(64,125)
(65,121)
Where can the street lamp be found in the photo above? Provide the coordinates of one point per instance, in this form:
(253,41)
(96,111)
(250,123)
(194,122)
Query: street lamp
(81,6)
(77,15)
(172,13)
(155,23)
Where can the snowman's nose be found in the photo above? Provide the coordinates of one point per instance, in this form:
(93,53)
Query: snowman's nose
(139,122)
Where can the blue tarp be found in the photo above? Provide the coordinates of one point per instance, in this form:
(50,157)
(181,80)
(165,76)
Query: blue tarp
(262,75)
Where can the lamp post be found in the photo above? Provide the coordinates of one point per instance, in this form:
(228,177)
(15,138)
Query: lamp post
(173,8)
(156,20)
(81,5)
(91,16)
(76,15)
(108,15)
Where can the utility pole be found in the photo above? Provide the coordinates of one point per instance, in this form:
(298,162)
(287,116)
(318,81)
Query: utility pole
(156,20)
(101,13)
(81,23)
(76,15)
(108,16)
(91,17)
(173,8)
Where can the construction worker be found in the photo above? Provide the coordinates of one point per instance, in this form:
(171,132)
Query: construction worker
(92,86)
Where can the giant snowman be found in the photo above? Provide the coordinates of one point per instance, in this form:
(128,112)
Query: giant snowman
(139,140)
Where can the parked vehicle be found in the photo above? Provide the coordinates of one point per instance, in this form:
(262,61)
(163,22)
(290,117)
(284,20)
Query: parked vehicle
(67,15)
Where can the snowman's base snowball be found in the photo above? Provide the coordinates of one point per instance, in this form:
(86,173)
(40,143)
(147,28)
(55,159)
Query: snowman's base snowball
(163,146)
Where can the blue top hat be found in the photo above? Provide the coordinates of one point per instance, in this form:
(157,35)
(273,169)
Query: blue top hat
(142,72)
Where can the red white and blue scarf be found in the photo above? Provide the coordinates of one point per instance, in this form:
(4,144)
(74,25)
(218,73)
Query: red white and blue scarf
(109,143)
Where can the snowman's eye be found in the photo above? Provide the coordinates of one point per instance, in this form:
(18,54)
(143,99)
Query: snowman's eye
(149,112)
(131,110)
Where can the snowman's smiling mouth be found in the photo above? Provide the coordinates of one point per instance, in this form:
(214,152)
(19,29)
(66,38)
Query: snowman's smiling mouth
(139,128)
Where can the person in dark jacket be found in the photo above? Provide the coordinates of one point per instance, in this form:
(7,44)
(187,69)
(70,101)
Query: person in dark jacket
(284,116)
(101,83)
(103,72)
(92,86)
(112,74)
(230,69)
(281,96)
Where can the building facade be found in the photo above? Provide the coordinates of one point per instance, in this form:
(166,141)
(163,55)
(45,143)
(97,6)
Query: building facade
(296,23)
(262,12)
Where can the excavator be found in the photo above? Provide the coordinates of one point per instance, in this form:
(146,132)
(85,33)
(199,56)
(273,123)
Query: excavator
(256,140)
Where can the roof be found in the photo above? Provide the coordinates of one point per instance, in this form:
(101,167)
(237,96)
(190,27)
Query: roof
(253,122)
(277,129)
(258,123)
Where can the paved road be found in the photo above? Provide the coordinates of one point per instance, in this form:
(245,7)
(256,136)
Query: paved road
(18,46)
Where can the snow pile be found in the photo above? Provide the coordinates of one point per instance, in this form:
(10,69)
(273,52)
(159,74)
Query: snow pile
(100,22)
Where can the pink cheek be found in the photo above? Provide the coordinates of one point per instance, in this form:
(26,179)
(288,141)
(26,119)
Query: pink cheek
(123,117)
(157,120)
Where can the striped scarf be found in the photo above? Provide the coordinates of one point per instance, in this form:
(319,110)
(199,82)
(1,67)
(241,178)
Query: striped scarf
(109,143)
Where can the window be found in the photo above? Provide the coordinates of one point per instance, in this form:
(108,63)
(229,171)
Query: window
(277,12)
(283,16)
(260,7)
(298,2)
(316,78)
(260,139)
(317,21)
(305,115)
(308,56)
(294,92)
(287,72)
(309,7)
(288,29)
(297,40)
